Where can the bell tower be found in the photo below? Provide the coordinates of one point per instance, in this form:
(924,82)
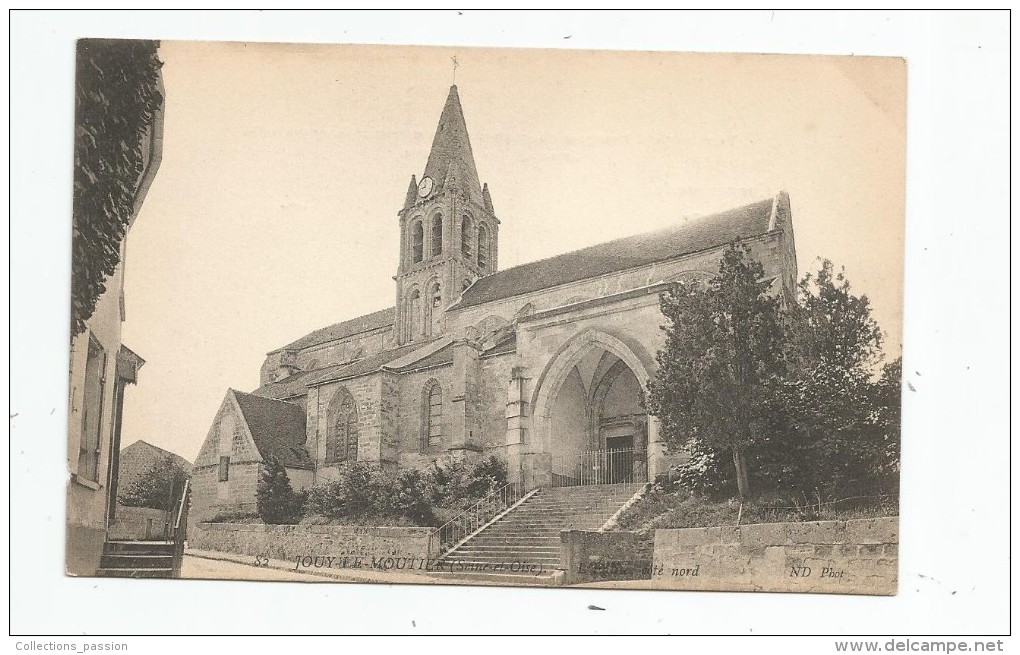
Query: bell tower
(449,233)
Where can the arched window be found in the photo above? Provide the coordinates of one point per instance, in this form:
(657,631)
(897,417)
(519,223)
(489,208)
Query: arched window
(483,246)
(432,415)
(433,308)
(414,314)
(417,241)
(342,428)
(437,235)
(465,236)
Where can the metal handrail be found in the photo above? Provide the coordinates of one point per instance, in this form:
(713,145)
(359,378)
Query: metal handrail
(178,531)
(447,536)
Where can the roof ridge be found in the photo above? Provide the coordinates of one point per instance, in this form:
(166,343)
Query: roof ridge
(678,239)
(667,228)
(353,319)
(255,395)
(152,445)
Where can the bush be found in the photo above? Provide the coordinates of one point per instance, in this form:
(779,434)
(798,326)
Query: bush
(487,476)
(365,494)
(234,516)
(671,506)
(276,500)
(455,484)
(409,497)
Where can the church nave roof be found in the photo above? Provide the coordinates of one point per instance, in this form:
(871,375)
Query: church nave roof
(677,240)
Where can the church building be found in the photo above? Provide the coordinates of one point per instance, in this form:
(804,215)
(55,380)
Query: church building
(544,364)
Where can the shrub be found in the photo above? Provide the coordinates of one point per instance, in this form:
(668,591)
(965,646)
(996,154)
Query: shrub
(455,484)
(234,516)
(487,476)
(365,494)
(409,497)
(275,499)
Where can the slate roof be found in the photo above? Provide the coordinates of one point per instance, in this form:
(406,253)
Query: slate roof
(506,346)
(278,428)
(373,321)
(141,444)
(364,366)
(680,239)
(288,387)
(441,357)
(452,146)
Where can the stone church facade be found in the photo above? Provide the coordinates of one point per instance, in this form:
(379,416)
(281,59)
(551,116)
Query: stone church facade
(544,364)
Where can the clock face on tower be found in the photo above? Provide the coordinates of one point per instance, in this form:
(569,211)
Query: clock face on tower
(425,187)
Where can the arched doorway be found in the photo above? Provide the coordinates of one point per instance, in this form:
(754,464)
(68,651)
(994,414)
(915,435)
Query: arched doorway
(588,414)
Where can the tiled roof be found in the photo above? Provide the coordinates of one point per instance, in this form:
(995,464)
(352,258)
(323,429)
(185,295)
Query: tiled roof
(288,387)
(680,239)
(278,428)
(364,366)
(157,451)
(508,345)
(441,357)
(373,321)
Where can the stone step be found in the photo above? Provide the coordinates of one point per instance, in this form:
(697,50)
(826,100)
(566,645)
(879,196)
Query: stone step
(506,559)
(553,519)
(524,523)
(136,561)
(139,547)
(528,526)
(479,565)
(508,579)
(497,550)
(511,537)
(517,553)
(609,508)
(136,573)
(528,537)
(551,535)
(563,509)
(509,564)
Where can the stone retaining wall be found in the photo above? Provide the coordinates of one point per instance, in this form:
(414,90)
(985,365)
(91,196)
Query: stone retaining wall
(844,557)
(598,556)
(319,546)
(139,523)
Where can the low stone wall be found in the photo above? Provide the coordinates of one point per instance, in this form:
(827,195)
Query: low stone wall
(598,556)
(319,546)
(139,523)
(842,557)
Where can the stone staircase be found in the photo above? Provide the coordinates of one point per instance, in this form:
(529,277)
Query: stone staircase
(137,559)
(523,546)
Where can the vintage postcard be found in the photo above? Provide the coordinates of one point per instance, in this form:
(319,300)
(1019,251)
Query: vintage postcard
(486,316)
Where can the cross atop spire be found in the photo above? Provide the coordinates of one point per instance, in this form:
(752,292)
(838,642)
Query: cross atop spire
(451,156)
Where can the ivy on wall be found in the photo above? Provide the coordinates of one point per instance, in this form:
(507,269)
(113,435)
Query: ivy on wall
(117,96)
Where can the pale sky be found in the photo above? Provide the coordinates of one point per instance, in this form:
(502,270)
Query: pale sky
(274,210)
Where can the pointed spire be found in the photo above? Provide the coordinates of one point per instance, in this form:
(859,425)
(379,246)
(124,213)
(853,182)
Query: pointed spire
(451,146)
(487,199)
(412,194)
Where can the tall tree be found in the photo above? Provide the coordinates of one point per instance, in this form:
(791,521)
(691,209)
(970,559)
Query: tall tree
(158,487)
(830,398)
(116,99)
(832,326)
(721,361)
